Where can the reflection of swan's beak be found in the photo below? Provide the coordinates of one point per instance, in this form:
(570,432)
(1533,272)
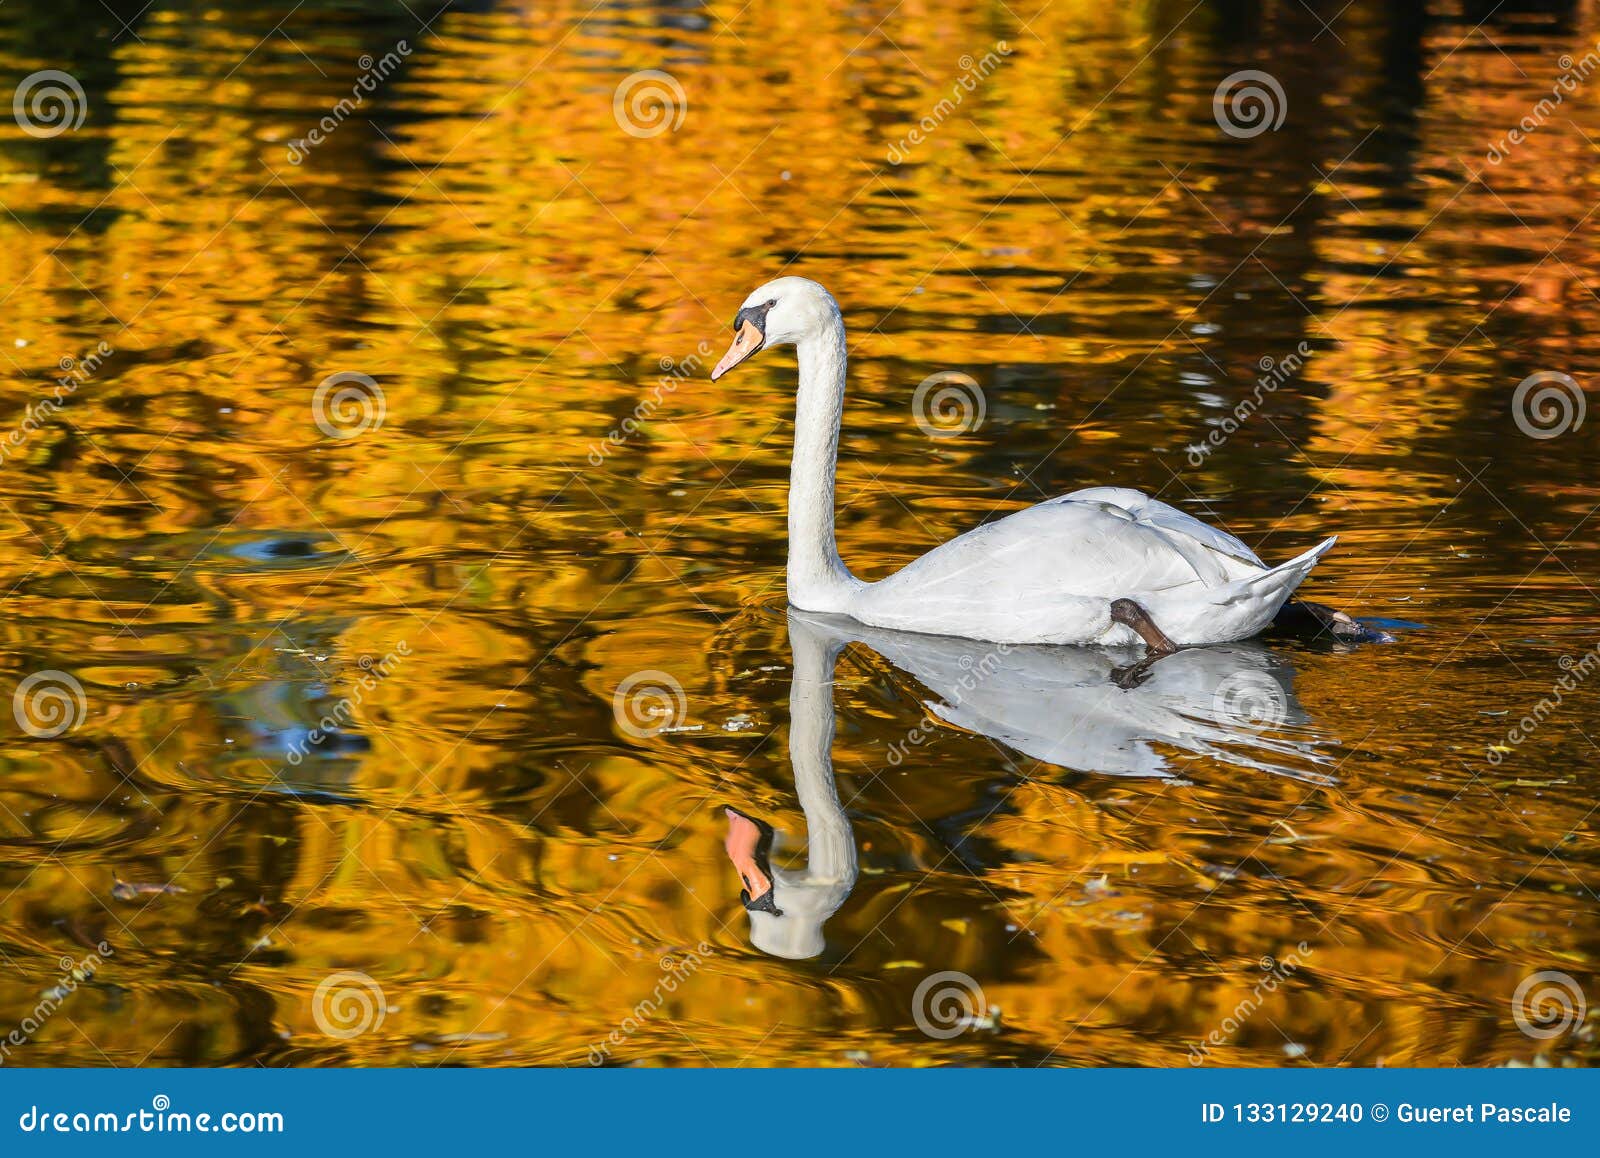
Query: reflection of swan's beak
(747,340)
(748,844)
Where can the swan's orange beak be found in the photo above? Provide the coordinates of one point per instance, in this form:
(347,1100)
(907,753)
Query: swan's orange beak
(747,340)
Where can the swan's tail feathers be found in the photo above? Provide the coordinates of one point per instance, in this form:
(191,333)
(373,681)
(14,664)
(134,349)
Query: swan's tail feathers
(1285,577)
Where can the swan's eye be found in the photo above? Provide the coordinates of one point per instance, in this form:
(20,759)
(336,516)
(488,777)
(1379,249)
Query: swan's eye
(772,303)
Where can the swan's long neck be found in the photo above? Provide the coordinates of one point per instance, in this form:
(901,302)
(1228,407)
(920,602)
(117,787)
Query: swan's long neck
(818,578)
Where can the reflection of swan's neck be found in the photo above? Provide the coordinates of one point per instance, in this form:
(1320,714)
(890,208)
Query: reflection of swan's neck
(818,578)
(807,898)
(830,845)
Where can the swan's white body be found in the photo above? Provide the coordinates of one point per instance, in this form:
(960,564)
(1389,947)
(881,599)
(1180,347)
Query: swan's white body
(1047,574)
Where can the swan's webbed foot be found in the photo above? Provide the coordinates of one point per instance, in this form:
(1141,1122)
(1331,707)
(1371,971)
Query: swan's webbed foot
(1130,614)
(1134,674)
(1304,617)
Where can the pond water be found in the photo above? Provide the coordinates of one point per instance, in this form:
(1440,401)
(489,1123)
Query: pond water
(554,658)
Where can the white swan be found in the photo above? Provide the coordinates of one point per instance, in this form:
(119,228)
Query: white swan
(1099,566)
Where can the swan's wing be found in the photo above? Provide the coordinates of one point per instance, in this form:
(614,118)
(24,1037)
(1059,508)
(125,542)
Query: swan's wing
(1084,546)
(1182,526)
(1045,574)
(1049,574)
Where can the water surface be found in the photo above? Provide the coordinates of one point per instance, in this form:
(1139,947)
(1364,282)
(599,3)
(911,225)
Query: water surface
(517,864)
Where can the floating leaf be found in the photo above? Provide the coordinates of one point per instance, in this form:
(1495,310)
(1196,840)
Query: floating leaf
(130,890)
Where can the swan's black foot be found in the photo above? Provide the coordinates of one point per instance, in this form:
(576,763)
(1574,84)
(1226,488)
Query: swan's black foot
(1303,617)
(1129,677)
(1130,614)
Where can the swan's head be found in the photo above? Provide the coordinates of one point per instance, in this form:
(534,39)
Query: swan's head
(787,910)
(780,313)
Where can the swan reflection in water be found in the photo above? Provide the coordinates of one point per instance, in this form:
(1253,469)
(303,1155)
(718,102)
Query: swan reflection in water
(1088,710)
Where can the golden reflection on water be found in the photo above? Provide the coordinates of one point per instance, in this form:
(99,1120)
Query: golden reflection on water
(518,275)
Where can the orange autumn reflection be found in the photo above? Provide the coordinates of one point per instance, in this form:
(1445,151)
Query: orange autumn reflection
(520,277)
